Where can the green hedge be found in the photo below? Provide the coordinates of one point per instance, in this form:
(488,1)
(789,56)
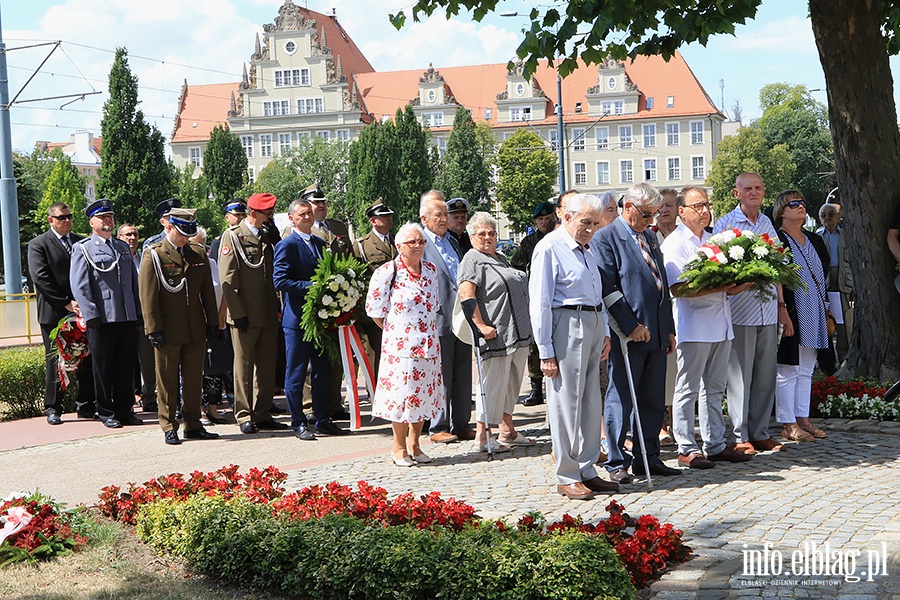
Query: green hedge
(342,557)
(22,384)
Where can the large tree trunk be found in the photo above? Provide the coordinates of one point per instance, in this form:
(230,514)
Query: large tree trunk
(867,156)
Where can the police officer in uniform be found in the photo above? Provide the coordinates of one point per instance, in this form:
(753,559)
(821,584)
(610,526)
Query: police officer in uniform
(162,211)
(105,284)
(245,273)
(178,298)
(457,215)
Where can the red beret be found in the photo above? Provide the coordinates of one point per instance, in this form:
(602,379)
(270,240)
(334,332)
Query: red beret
(261,202)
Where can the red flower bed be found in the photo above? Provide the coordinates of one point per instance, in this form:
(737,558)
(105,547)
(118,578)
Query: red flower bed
(48,533)
(854,388)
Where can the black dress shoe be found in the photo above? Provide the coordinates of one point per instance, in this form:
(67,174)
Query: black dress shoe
(248,427)
(329,428)
(304,433)
(149,406)
(87,415)
(172,438)
(621,476)
(341,415)
(597,485)
(54,419)
(272,425)
(277,410)
(656,469)
(130,420)
(112,423)
(215,419)
(199,434)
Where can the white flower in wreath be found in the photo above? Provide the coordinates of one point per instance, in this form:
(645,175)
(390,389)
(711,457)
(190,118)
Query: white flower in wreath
(339,279)
(327,300)
(715,240)
(736,253)
(345,285)
(333,286)
(351,273)
(761,251)
(728,235)
(749,235)
(323,314)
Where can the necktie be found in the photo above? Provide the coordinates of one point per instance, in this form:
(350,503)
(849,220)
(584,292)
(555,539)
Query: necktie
(645,251)
(67,243)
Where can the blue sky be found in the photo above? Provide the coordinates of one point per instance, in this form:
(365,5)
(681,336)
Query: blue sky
(206,41)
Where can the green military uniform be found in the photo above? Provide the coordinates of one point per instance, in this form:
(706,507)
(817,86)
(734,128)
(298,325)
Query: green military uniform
(371,250)
(336,236)
(245,272)
(178,299)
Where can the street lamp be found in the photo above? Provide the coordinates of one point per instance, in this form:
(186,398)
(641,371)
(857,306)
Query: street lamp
(560,145)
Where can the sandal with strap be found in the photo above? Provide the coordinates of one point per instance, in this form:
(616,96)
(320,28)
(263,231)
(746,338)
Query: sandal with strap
(811,429)
(795,433)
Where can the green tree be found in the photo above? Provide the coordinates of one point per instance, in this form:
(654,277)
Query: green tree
(192,188)
(415,172)
(527,173)
(64,184)
(373,170)
(134,174)
(793,118)
(748,151)
(316,159)
(224,163)
(463,172)
(861,110)
(280,179)
(31,172)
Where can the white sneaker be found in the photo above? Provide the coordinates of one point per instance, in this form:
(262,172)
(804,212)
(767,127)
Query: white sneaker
(495,446)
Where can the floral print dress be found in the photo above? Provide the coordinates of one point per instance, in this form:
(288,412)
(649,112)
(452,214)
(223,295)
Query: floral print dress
(410,386)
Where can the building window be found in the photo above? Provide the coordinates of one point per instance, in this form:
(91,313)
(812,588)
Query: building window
(251,175)
(279,78)
(698,167)
(291,77)
(674,168)
(247,143)
(650,136)
(265,145)
(619,107)
(553,136)
(649,169)
(625,139)
(650,103)
(310,105)
(276,108)
(578,141)
(325,135)
(487,114)
(284,142)
(601,134)
(603,172)
(670,101)
(304,76)
(507,135)
(435,119)
(626,171)
(195,155)
(431,95)
(290,47)
(303,135)
(520,89)
(606,107)
(696,132)
(580,173)
(673,133)
(267,109)
(520,113)
(342,135)
(442,146)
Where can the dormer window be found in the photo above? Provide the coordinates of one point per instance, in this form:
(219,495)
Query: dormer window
(578,107)
(431,95)
(487,113)
(670,101)
(650,103)
(290,47)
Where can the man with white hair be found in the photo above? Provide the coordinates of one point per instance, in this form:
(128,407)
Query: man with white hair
(572,339)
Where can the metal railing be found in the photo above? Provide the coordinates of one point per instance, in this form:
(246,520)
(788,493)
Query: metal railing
(18,320)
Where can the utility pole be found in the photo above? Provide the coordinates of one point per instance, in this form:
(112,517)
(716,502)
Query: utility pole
(9,204)
(560,145)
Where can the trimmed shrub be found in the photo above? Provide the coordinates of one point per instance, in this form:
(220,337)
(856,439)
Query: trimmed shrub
(343,557)
(22,384)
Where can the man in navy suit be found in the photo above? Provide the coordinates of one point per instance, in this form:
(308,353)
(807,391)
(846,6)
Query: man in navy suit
(49,256)
(636,292)
(105,285)
(296,257)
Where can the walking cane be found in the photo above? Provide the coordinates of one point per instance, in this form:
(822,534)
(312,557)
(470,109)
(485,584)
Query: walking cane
(623,342)
(468,307)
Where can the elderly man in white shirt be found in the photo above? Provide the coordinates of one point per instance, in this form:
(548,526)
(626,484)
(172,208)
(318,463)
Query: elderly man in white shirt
(572,338)
(703,323)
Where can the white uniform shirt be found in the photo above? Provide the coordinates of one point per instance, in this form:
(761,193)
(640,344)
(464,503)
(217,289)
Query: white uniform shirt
(704,318)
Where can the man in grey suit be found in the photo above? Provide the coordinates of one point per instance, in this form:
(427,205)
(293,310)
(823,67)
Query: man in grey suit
(105,285)
(452,423)
(636,291)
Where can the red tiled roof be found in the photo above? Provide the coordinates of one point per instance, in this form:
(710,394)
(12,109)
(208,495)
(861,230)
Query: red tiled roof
(202,107)
(340,42)
(98,144)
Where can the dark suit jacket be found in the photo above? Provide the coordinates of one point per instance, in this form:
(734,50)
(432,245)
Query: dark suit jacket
(295,264)
(48,265)
(447,287)
(623,269)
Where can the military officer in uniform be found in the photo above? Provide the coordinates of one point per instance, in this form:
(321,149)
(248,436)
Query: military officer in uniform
(162,211)
(245,273)
(376,248)
(178,298)
(105,285)
(457,216)
(235,212)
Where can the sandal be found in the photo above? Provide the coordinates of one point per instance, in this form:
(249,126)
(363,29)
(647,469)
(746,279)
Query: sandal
(811,429)
(519,440)
(795,433)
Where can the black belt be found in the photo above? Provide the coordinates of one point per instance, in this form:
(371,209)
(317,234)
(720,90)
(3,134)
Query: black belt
(587,307)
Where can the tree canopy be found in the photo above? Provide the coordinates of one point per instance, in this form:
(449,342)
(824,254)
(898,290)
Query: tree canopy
(224,163)
(527,174)
(463,171)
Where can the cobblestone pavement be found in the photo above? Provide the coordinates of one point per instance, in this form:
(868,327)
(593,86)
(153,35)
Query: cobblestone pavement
(842,490)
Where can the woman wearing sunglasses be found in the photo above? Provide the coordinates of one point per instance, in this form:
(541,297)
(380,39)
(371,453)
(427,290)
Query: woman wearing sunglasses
(807,330)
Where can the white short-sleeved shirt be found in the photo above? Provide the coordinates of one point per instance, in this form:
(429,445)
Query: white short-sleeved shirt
(704,318)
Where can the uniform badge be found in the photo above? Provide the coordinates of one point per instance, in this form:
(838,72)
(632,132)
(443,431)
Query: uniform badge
(226,250)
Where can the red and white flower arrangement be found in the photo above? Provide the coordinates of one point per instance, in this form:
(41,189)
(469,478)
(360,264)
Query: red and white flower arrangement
(70,343)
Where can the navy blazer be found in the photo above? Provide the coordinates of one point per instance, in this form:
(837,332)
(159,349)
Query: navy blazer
(295,265)
(447,286)
(623,269)
(110,296)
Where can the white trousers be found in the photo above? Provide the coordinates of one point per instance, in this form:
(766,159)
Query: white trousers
(793,387)
(502,382)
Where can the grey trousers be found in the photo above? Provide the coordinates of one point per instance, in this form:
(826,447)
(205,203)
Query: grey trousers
(574,400)
(701,379)
(751,381)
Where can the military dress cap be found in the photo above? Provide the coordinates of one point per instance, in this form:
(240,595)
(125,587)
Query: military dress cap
(378,209)
(457,205)
(184,220)
(543,209)
(101,206)
(261,202)
(313,193)
(236,207)
(163,208)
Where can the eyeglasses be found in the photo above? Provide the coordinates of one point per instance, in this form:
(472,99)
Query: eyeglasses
(795,204)
(415,242)
(486,234)
(699,206)
(67,217)
(645,215)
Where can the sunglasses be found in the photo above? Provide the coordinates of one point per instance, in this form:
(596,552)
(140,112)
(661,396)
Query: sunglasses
(67,217)
(645,215)
(795,204)
(698,206)
(415,243)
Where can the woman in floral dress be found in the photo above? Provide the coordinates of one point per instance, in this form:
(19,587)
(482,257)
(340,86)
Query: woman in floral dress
(402,300)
